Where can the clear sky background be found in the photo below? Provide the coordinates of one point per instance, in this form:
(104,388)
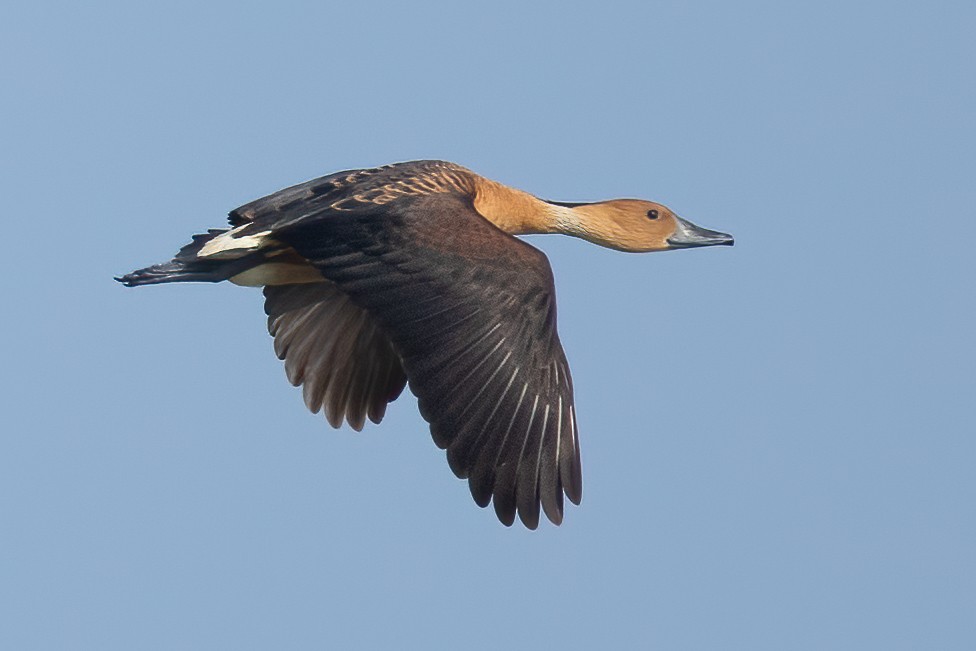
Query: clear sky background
(778,438)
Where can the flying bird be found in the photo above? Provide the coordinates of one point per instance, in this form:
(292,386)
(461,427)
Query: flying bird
(411,272)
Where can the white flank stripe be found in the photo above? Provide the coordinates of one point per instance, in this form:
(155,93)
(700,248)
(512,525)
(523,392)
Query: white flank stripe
(228,243)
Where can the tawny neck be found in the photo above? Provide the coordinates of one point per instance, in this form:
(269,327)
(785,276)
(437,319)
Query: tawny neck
(518,212)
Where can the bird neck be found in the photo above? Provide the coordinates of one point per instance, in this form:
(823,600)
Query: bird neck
(519,213)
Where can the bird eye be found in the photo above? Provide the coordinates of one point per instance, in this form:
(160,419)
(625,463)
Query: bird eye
(652,214)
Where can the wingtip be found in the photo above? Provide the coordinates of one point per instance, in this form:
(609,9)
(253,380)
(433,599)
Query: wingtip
(575,494)
(129,280)
(504,512)
(552,506)
(481,496)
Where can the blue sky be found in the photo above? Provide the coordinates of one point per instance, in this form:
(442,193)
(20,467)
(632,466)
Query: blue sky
(777,438)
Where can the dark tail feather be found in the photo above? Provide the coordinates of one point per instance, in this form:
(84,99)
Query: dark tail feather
(176,272)
(186,267)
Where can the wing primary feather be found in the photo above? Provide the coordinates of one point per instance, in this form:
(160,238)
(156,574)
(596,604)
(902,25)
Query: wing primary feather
(503,494)
(482,477)
(569,463)
(506,482)
(462,450)
(527,475)
(484,386)
(451,396)
(550,486)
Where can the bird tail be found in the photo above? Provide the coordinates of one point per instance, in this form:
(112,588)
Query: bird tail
(187,266)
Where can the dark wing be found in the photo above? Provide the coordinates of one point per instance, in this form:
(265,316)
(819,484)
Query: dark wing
(332,347)
(376,186)
(471,312)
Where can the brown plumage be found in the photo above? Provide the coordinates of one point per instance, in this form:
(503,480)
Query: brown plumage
(409,272)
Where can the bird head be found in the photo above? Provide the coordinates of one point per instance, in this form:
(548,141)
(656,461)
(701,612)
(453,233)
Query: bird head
(635,226)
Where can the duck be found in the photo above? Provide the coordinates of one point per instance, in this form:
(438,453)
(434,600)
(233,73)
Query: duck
(414,273)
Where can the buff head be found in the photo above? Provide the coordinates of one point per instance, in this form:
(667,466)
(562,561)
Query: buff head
(636,226)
